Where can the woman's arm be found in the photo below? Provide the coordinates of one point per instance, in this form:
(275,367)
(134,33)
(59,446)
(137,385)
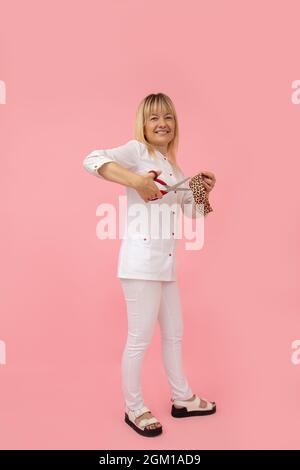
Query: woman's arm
(143,184)
(118,174)
(125,156)
(123,162)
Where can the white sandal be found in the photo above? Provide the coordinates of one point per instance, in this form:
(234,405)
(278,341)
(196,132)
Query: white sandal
(130,417)
(192,408)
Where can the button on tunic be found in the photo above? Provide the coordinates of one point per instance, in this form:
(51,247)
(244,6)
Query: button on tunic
(149,253)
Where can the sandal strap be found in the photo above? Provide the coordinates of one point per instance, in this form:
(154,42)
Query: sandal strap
(137,413)
(194,404)
(146,421)
(134,414)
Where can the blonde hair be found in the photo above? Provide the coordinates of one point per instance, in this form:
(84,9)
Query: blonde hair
(151,103)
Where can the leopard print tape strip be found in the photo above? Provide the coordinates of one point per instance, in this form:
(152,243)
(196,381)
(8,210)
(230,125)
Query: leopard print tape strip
(199,194)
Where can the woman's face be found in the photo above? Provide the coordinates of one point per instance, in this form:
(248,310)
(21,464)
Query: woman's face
(160,128)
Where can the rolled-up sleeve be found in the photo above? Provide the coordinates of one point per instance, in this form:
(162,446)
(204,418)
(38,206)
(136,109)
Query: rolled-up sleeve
(125,155)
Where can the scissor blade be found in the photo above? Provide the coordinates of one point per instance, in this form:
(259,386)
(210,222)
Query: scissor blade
(174,186)
(180,189)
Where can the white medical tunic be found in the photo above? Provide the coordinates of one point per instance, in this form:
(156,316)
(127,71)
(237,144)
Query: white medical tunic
(148,252)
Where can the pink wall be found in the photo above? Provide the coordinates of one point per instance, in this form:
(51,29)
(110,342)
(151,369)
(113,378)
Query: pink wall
(74,74)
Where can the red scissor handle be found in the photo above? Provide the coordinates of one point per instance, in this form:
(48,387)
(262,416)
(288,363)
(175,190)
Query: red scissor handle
(155,173)
(158,180)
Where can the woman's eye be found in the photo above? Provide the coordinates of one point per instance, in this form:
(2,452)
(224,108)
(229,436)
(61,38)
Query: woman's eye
(168,117)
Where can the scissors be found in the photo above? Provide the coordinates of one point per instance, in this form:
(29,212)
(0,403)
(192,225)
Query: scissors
(165,188)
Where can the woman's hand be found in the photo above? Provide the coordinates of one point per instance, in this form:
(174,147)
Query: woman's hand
(209,180)
(146,187)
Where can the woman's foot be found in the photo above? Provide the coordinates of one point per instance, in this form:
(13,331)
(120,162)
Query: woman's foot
(143,422)
(148,414)
(194,406)
(202,404)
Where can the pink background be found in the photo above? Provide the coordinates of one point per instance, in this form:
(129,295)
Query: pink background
(75,73)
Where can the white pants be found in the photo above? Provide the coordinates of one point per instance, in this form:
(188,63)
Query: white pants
(146,302)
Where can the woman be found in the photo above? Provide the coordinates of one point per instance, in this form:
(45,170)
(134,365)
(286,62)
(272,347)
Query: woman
(146,265)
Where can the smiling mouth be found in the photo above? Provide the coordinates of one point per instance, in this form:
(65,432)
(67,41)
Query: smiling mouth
(162,132)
